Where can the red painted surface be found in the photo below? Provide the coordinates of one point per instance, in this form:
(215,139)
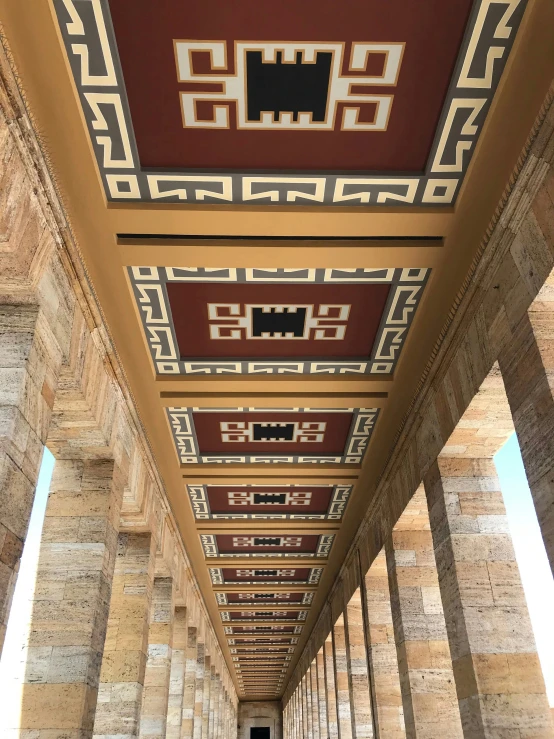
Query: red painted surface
(432,31)
(208,433)
(218,497)
(227,543)
(292,598)
(189,309)
(284,574)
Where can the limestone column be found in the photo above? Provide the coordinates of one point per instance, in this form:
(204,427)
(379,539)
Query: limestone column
(385,681)
(425,667)
(342,680)
(206,696)
(199,690)
(306,713)
(158,664)
(331,691)
(189,694)
(358,668)
(30,359)
(498,676)
(125,652)
(322,690)
(71,600)
(315,698)
(177,675)
(211,707)
(527,366)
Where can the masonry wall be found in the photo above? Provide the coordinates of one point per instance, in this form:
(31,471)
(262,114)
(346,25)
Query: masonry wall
(260,713)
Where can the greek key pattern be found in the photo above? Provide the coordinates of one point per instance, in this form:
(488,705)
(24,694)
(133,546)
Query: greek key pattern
(198,495)
(90,44)
(181,424)
(150,293)
(216,576)
(209,545)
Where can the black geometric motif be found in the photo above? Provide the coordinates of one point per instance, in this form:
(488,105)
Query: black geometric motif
(281,432)
(265,573)
(274,498)
(267,541)
(264,595)
(287,88)
(278,324)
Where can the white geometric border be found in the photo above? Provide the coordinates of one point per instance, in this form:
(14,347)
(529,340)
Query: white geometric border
(181,423)
(198,496)
(216,576)
(89,42)
(209,545)
(149,285)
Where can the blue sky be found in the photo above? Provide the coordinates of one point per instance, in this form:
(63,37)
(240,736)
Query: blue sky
(531,556)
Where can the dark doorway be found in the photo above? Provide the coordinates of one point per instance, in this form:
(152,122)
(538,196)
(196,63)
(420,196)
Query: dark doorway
(260,732)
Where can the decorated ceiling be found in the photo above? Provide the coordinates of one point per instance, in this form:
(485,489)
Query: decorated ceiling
(205,101)
(278,206)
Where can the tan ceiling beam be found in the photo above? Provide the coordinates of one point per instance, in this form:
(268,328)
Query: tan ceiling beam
(263,563)
(257,635)
(258,622)
(251,647)
(265,254)
(270,384)
(250,476)
(264,587)
(240,471)
(265,607)
(272,400)
(240,221)
(251,525)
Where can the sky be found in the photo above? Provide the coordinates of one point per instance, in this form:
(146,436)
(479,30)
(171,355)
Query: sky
(530,553)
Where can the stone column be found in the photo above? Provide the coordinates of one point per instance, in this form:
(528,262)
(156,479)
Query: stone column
(315,698)
(177,675)
(71,601)
(199,690)
(158,664)
(342,680)
(385,681)
(125,652)
(30,359)
(498,676)
(527,366)
(189,694)
(358,668)
(331,690)
(306,713)
(211,708)
(206,696)
(322,693)
(425,667)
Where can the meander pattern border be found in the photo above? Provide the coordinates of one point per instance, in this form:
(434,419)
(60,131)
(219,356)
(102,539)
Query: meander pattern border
(150,292)
(181,424)
(91,48)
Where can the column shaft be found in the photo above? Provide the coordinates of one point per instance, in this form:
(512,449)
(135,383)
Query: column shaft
(199,691)
(189,695)
(332,707)
(315,699)
(496,667)
(71,600)
(527,366)
(322,693)
(177,675)
(30,360)
(358,668)
(342,680)
(425,668)
(385,681)
(124,662)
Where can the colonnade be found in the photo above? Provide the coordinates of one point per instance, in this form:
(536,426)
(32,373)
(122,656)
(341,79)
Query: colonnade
(120,642)
(426,632)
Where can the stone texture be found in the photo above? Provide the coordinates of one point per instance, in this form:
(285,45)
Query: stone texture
(332,705)
(189,694)
(71,602)
(498,676)
(322,695)
(125,654)
(155,694)
(342,680)
(425,668)
(362,714)
(199,690)
(177,675)
(385,680)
